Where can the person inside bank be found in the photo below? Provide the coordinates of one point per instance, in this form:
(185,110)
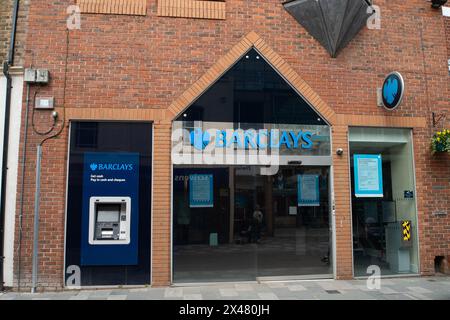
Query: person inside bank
(257,219)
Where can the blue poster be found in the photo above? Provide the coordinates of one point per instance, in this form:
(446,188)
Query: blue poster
(308,190)
(201,188)
(368,175)
(110,175)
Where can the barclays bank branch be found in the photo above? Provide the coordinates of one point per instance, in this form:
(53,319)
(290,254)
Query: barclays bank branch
(254,190)
(244,141)
(237,153)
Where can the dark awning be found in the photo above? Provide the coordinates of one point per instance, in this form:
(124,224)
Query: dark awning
(334,23)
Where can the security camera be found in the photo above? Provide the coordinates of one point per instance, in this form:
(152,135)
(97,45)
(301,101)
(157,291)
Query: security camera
(340,152)
(436,4)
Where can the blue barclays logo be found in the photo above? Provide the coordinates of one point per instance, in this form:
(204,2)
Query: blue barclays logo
(256,139)
(111,166)
(199,139)
(391,89)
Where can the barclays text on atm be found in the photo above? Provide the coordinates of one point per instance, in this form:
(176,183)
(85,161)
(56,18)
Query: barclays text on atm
(111,166)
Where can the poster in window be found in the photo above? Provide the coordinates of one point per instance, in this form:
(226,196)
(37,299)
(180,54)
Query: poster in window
(368,175)
(308,190)
(201,191)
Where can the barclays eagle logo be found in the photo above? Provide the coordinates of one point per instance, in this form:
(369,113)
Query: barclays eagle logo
(390,90)
(199,139)
(93,166)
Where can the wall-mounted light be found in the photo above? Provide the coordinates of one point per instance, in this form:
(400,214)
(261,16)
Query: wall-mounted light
(340,151)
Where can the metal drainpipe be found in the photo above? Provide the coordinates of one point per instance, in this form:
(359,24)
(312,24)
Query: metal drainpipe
(7,64)
(35,261)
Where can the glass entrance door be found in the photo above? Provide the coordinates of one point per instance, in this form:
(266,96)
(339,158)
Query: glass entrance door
(204,246)
(255,226)
(287,216)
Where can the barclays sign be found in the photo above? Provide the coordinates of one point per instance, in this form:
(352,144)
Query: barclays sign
(252,139)
(111,166)
(263,144)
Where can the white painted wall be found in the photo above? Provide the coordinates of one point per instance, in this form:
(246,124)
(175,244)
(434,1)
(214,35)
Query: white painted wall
(13,164)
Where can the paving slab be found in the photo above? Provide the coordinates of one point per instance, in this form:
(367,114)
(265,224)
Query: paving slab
(417,288)
(228,293)
(268,296)
(193,296)
(117,297)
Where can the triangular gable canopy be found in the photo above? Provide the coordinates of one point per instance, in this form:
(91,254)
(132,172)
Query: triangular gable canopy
(251,91)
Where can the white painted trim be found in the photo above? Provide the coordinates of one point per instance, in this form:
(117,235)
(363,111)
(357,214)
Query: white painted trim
(13,165)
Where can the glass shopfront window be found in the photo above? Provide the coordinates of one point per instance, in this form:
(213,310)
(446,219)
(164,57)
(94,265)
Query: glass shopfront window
(233,218)
(233,224)
(383,201)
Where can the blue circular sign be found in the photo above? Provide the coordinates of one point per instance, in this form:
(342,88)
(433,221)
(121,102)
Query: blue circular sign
(393,89)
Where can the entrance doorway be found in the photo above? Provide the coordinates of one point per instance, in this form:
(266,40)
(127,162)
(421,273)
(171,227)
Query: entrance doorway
(255,226)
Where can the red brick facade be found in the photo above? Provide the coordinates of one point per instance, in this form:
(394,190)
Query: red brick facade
(6,11)
(145,67)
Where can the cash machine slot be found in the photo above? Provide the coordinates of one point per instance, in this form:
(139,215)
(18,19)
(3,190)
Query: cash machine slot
(109,221)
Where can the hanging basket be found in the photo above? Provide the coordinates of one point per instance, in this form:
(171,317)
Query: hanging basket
(441,142)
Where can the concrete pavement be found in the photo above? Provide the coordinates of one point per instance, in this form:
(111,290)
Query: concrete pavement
(411,288)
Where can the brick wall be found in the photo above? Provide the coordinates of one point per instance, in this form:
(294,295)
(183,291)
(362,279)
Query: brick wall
(6,10)
(343,217)
(137,67)
(447,34)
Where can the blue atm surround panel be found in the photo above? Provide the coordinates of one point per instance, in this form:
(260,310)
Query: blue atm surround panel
(110,175)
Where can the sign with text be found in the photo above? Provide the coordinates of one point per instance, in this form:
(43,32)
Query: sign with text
(308,190)
(368,175)
(201,191)
(110,174)
(227,143)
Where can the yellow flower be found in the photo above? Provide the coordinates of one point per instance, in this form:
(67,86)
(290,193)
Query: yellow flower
(438,139)
(439,133)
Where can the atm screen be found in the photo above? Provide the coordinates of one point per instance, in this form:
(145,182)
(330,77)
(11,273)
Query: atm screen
(108,212)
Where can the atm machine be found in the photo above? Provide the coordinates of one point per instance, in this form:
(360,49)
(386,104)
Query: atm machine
(109,235)
(109,220)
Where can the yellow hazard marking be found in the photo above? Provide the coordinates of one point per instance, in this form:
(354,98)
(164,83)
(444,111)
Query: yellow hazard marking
(406,226)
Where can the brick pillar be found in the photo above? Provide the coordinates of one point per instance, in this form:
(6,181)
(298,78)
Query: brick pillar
(343,219)
(161,227)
